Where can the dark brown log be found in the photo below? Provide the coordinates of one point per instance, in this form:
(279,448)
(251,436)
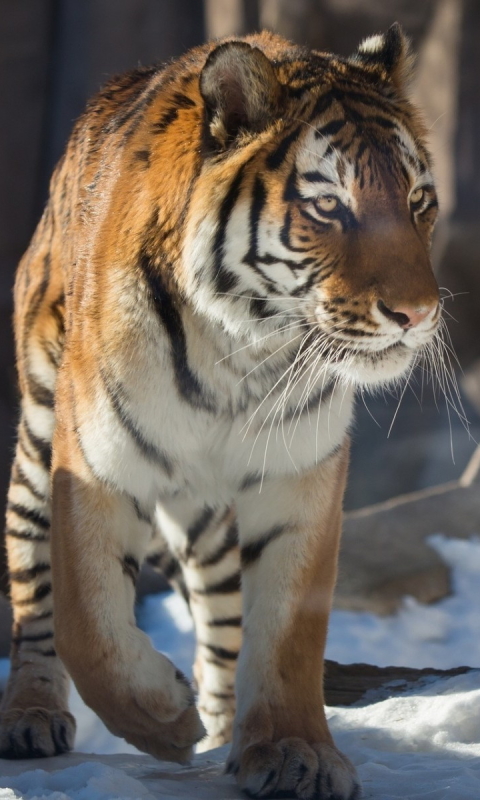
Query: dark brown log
(345,684)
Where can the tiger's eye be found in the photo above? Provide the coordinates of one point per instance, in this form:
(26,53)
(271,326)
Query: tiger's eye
(417,196)
(327,203)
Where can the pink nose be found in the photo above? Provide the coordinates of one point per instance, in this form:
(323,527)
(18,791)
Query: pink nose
(406,316)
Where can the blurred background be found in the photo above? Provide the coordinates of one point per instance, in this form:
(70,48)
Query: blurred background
(55,53)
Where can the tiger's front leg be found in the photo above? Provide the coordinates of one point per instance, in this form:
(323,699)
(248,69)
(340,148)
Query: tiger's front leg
(289,536)
(97,545)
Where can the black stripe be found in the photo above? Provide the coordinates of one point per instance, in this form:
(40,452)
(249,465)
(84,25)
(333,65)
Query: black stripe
(323,104)
(291,193)
(228,544)
(251,552)
(76,430)
(331,128)
(259,197)
(221,652)
(216,662)
(21,479)
(277,157)
(318,222)
(131,568)
(183,101)
(383,122)
(169,116)
(315,177)
(164,562)
(225,586)
(433,203)
(41,395)
(221,695)
(29,515)
(357,332)
(186,381)
(307,285)
(42,448)
(225,280)
(47,653)
(181,678)
(218,713)
(141,515)
(197,528)
(38,617)
(27,536)
(285,233)
(258,306)
(27,575)
(32,637)
(150,451)
(226,622)
(165,121)
(143,156)
(39,294)
(132,107)
(221,275)
(268,258)
(39,594)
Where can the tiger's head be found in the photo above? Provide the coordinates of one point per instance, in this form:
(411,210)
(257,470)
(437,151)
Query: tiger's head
(315,203)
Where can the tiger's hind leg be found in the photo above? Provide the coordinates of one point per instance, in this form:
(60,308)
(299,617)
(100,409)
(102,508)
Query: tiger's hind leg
(203,564)
(34,717)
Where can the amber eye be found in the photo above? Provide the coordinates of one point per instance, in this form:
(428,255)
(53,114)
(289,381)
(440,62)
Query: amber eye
(417,196)
(327,203)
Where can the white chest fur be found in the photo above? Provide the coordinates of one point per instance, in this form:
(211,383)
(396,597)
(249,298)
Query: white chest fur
(206,426)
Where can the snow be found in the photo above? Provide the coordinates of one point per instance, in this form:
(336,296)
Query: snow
(90,781)
(422,745)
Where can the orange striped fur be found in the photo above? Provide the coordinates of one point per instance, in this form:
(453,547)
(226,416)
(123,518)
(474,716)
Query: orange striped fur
(232,244)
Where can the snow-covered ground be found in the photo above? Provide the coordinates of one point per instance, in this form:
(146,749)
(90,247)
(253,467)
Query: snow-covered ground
(424,745)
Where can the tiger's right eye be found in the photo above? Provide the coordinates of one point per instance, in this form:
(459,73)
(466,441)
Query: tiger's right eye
(327,203)
(417,196)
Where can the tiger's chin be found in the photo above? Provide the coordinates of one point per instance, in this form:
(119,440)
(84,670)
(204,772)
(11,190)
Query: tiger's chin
(375,369)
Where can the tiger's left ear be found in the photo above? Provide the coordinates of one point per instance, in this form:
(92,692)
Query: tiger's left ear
(389,54)
(241,92)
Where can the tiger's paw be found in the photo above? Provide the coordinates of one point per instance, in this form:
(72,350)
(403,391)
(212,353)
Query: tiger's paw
(293,768)
(157,716)
(36,732)
(173,741)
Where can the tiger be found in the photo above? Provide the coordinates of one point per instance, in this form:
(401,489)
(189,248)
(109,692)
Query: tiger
(234,244)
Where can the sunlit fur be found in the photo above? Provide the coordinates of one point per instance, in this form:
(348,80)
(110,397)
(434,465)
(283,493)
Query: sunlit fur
(233,243)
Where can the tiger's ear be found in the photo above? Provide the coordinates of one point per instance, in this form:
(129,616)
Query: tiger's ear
(241,92)
(389,54)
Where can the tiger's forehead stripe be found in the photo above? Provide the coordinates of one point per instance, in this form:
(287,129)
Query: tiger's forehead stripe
(338,152)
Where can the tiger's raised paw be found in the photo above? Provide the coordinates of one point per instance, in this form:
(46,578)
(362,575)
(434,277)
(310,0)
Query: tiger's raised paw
(173,741)
(293,768)
(35,732)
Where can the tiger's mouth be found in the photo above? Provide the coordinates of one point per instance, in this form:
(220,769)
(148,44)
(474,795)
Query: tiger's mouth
(370,368)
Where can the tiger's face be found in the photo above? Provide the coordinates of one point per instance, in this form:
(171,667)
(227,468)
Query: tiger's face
(324,218)
(351,241)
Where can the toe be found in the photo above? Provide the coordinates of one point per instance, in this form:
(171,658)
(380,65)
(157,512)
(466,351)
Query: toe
(259,770)
(36,733)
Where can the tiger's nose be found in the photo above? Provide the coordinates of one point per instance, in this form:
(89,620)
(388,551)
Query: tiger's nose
(406,316)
